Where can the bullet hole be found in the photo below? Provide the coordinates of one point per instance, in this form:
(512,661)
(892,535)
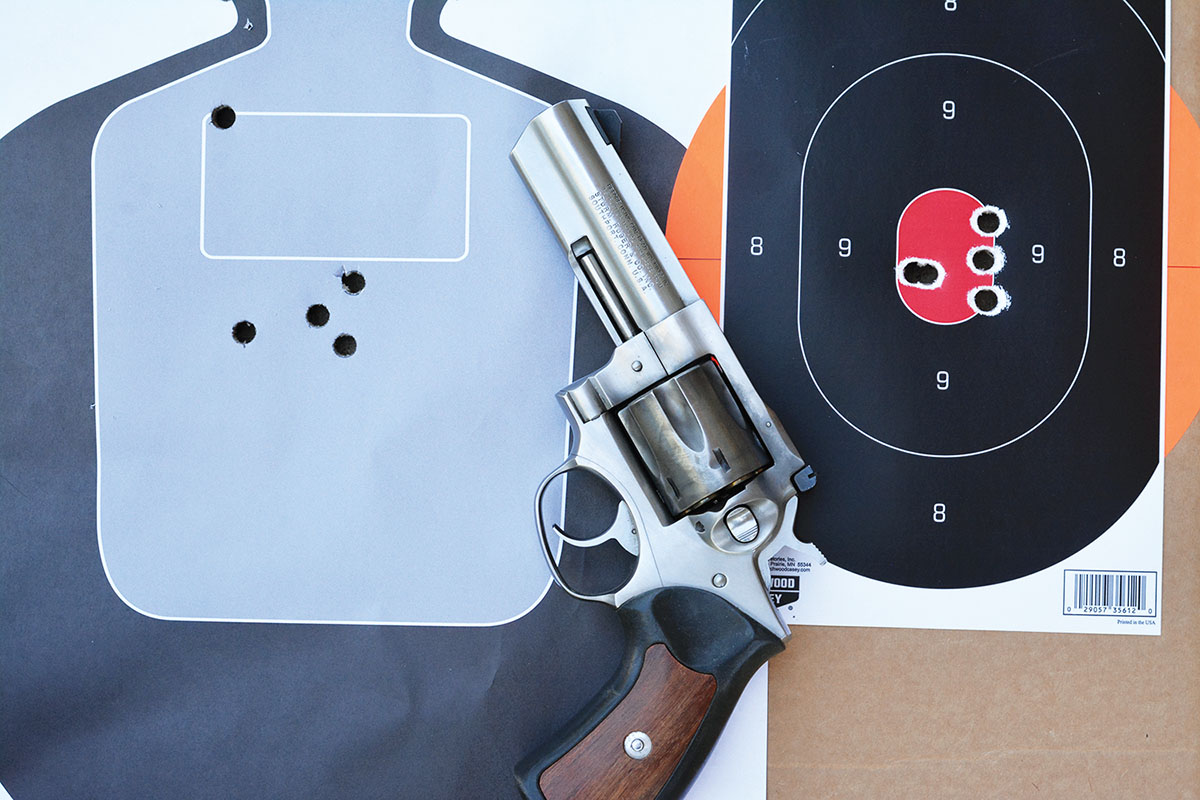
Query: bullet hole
(921,273)
(244,332)
(988,300)
(989,221)
(353,282)
(985,260)
(345,345)
(223,117)
(317,315)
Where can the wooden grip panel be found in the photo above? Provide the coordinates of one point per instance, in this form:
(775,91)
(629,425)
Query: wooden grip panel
(667,703)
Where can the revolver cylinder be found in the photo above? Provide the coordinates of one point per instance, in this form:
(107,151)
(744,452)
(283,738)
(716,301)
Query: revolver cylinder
(694,438)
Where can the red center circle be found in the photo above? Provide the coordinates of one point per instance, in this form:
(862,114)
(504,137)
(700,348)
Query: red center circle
(936,226)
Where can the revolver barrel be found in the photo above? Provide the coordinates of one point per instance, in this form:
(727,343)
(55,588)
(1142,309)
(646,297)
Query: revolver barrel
(688,429)
(621,257)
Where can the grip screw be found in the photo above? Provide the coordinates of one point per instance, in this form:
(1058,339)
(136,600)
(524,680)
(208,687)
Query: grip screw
(636,366)
(637,745)
(719,580)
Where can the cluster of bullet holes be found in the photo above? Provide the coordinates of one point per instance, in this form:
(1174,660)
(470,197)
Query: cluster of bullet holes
(988,260)
(317,316)
(988,299)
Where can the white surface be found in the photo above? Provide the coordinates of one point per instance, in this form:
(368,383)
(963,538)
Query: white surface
(666,61)
(53,49)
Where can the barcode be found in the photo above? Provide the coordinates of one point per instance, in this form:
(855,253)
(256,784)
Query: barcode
(1109,593)
(1110,589)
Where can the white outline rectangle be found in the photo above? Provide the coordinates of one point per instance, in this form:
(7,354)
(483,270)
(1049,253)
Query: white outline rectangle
(204,125)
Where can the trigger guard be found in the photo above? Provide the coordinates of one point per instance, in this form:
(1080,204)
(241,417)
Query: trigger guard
(627,539)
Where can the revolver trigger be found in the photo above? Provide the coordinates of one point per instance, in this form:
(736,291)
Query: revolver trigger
(622,531)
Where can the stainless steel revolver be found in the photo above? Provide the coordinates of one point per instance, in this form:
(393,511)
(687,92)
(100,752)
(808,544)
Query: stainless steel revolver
(706,476)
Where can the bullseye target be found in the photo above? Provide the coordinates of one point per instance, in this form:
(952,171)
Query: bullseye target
(930,270)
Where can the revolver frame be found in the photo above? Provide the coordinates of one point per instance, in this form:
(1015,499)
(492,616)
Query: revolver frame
(697,550)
